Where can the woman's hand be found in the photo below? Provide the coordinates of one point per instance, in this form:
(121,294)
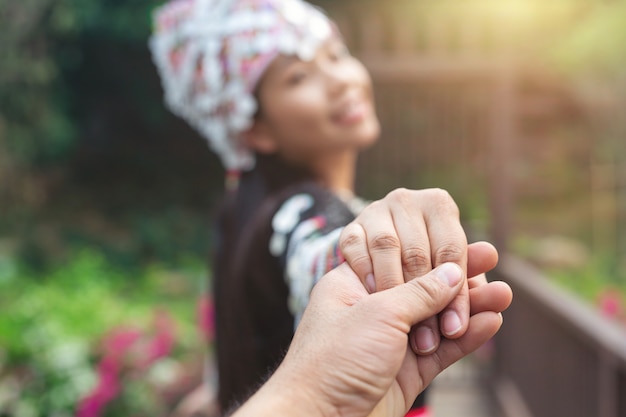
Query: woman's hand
(403,236)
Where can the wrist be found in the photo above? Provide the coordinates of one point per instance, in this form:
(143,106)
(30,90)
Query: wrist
(286,393)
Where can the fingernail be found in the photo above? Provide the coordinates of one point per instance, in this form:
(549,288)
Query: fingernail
(424,340)
(451,323)
(449,274)
(370,283)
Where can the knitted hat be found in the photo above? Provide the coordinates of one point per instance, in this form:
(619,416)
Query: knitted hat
(211,53)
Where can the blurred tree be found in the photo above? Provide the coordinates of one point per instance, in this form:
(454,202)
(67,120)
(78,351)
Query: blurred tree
(87,148)
(595,47)
(592,56)
(30,105)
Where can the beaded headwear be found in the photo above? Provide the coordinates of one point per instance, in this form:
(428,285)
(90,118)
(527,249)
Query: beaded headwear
(211,53)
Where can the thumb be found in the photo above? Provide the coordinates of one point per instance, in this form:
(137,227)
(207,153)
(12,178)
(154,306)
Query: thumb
(426,296)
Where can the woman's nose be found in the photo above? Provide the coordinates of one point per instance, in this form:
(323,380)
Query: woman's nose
(337,78)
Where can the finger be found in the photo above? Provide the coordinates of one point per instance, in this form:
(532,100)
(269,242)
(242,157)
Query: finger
(448,243)
(415,253)
(482,327)
(495,296)
(481,257)
(425,337)
(454,319)
(338,288)
(420,299)
(447,238)
(476,281)
(353,246)
(383,246)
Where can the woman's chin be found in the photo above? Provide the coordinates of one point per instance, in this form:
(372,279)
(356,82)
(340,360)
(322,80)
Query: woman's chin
(370,135)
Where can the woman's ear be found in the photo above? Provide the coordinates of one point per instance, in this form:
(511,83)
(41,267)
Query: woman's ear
(259,139)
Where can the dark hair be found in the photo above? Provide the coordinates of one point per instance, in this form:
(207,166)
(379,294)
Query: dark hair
(239,250)
(270,175)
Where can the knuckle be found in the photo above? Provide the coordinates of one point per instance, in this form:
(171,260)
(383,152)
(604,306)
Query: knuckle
(360,264)
(384,242)
(443,199)
(374,205)
(349,239)
(384,282)
(449,253)
(415,261)
(428,293)
(400,194)
(437,197)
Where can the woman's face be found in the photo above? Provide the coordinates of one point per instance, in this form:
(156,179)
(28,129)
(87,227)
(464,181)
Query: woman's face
(313,109)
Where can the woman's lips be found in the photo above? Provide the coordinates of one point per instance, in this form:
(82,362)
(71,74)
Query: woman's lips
(353,112)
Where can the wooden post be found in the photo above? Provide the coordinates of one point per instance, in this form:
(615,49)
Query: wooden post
(503,127)
(437,37)
(371,35)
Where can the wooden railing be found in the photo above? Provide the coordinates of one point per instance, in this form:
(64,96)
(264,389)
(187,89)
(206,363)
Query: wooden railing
(556,355)
(450,104)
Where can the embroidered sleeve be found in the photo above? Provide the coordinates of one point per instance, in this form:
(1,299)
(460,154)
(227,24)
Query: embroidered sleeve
(305,238)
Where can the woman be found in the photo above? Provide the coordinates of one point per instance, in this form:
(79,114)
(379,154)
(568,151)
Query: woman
(272,87)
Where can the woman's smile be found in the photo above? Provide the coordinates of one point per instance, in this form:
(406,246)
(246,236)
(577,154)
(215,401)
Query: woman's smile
(352,112)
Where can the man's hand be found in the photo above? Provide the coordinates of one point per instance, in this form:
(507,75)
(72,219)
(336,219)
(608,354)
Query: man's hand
(350,353)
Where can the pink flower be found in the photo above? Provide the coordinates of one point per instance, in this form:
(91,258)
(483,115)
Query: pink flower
(115,345)
(123,349)
(162,343)
(106,390)
(611,303)
(120,340)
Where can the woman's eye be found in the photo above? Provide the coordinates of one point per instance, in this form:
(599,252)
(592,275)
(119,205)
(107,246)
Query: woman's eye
(296,77)
(339,52)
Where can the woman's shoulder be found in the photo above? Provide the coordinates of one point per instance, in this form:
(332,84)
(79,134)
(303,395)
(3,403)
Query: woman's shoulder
(310,208)
(312,199)
(312,188)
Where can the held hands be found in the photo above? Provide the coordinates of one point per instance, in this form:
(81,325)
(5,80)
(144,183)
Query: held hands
(403,236)
(350,355)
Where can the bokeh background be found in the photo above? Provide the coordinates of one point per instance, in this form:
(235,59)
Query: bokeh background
(106,199)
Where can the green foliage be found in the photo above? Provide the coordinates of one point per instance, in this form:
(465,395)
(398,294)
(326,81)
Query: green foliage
(601,274)
(128,21)
(596,45)
(33,124)
(595,277)
(41,42)
(169,237)
(51,325)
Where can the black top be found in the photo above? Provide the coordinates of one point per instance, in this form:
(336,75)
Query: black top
(254,324)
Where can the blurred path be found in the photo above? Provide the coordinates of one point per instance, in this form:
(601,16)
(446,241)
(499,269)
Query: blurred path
(460,391)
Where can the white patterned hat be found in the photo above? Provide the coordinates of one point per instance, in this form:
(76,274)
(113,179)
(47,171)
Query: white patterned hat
(211,53)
